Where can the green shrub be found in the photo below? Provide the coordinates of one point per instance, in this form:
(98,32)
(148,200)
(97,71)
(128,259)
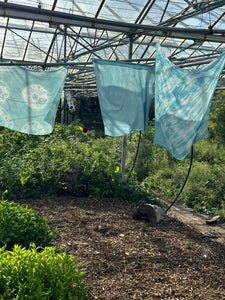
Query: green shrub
(35,275)
(99,172)
(204,190)
(216,117)
(99,169)
(23,226)
(135,192)
(33,166)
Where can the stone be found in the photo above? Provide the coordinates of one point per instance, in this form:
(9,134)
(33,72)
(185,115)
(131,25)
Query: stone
(152,213)
(213,220)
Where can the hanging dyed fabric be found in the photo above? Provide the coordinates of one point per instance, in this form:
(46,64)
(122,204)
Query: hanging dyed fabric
(29,99)
(125,91)
(182,103)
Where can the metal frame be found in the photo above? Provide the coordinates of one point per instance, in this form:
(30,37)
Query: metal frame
(73,39)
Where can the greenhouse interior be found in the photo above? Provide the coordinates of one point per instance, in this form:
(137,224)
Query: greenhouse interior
(56,33)
(112,149)
(47,34)
(112,58)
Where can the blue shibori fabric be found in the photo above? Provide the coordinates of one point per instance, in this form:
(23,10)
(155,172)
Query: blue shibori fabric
(125,91)
(29,99)
(182,103)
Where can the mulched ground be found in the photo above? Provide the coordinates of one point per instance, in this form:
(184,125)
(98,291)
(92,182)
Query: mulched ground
(124,258)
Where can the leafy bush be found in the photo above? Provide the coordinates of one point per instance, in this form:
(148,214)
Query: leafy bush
(98,162)
(35,275)
(204,189)
(99,169)
(217,120)
(136,193)
(23,226)
(32,167)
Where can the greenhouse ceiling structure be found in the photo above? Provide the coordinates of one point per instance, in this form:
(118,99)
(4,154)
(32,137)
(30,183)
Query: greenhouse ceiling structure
(51,33)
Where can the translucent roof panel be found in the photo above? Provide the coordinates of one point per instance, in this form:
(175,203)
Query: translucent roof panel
(56,32)
(34,3)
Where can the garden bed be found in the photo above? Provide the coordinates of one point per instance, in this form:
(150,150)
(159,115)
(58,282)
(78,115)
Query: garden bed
(124,258)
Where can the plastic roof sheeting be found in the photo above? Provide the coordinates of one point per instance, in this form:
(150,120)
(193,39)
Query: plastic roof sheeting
(55,32)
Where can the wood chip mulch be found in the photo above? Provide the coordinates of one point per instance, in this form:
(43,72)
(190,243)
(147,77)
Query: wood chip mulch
(125,259)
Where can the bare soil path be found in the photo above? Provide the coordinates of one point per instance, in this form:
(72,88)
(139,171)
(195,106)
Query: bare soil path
(198,221)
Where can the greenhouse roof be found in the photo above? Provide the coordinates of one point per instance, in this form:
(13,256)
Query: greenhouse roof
(50,33)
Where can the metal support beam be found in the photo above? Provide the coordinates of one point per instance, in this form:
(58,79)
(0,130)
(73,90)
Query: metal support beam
(99,8)
(59,18)
(4,39)
(28,41)
(199,9)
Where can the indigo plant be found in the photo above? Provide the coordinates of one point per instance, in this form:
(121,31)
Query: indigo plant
(23,226)
(40,273)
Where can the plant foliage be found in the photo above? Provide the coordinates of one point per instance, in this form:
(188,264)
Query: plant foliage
(217,120)
(204,190)
(35,275)
(70,161)
(23,226)
(33,167)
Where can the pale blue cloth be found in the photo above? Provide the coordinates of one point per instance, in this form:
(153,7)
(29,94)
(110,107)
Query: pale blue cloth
(29,99)
(125,91)
(182,103)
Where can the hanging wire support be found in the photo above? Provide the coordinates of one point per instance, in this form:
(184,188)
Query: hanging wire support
(124,141)
(185,181)
(135,158)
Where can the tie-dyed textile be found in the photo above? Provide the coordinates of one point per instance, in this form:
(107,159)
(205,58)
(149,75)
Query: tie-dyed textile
(182,103)
(29,99)
(125,91)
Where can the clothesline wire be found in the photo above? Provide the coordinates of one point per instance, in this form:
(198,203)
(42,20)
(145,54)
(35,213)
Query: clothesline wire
(135,158)
(185,181)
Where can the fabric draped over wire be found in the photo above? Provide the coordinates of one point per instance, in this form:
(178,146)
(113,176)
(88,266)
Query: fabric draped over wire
(182,103)
(29,98)
(125,91)
(182,99)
